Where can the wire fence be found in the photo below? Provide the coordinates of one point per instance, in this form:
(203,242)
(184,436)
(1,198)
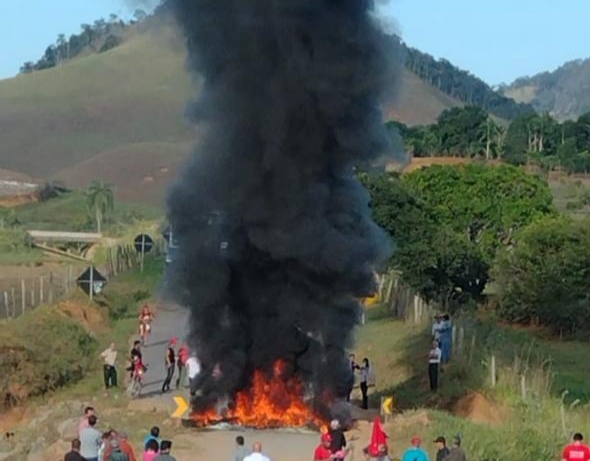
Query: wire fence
(21,295)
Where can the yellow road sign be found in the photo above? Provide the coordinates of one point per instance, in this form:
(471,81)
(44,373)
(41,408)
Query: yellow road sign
(387,405)
(181,407)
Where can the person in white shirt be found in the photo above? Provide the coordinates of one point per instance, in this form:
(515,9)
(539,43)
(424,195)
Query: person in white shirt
(256,454)
(437,327)
(434,365)
(193,369)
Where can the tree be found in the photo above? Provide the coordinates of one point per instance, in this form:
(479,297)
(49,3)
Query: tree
(544,278)
(100,200)
(139,15)
(462,131)
(476,211)
(27,68)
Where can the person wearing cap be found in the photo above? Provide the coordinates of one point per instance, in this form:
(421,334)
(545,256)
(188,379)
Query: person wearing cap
(165,455)
(323,451)
(170,359)
(415,452)
(456,453)
(116,452)
(441,448)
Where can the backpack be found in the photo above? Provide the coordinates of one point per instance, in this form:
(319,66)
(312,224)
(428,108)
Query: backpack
(118,455)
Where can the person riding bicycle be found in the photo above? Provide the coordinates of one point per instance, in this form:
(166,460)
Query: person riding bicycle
(138,367)
(145,319)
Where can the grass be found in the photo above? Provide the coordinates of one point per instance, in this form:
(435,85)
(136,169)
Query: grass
(70,212)
(571,196)
(128,101)
(535,428)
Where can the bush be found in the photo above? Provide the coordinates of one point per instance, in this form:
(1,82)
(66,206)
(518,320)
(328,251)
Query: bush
(42,351)
(544,278)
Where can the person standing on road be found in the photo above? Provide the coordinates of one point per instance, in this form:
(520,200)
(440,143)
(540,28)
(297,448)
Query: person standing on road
(154,435)
(256,454)
(74,454)
(441,448)
(241,450)
(338,443)
(109,357)
(90,440)
(193,368)
(84,419)
(170,359)
(322,451)
(152,449)
(433,366)
(457,453)
(577,450)
(415,452)
(353,368)
(164,455)
(182,358)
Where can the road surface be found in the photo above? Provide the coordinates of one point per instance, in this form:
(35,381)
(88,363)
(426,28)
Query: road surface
(170,322)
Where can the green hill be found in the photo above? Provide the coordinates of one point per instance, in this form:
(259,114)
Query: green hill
(119,115)
(564,92)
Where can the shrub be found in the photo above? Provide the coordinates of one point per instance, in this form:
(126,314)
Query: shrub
(544,277)
(42,351)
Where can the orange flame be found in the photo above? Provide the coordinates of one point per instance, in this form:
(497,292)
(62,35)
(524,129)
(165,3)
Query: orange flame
(270,402)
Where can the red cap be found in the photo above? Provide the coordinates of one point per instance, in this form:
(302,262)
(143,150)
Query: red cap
(416,440)
(326,437)
(174,340)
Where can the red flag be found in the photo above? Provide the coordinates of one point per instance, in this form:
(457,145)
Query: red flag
(378,437)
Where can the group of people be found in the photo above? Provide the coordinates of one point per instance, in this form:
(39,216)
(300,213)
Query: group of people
(178,361)
(366,378)
(111,445)
(440,353)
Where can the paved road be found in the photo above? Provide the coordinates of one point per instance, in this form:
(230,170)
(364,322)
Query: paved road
(169,323)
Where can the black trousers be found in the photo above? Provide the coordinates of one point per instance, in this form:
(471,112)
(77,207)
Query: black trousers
(168,379)
(110,376)
(433,375)
(364,392)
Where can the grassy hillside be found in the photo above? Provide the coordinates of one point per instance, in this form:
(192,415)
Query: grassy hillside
(564,92)
(119,116)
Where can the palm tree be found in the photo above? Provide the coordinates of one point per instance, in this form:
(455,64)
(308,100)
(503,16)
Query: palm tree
(100,199)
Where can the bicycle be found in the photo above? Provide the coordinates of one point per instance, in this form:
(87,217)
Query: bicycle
(136,383)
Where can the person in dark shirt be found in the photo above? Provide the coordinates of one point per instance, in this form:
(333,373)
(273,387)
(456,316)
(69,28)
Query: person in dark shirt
(338,442)
(74,454)
(135,352)
(170,363)
(441,447)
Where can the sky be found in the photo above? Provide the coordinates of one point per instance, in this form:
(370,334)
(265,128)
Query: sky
(497,40)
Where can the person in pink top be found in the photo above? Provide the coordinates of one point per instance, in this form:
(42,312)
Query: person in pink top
(84,419)
(152,449)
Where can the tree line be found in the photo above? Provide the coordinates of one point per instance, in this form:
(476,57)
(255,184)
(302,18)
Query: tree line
(464,232)
(103,35)
(462,85)
(532,139)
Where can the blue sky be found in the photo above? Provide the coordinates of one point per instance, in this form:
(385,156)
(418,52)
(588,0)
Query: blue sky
(497,40)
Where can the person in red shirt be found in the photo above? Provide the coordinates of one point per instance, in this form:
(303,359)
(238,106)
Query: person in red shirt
(577,450)
(183,354)
(323,452)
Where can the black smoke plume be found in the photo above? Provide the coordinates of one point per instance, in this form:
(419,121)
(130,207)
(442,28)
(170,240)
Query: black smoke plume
(275,233)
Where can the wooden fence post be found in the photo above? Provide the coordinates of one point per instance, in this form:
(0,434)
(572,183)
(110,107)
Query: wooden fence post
(493,370)
(23,296)
(41,297)
(13,301)
(6,308)
(523,387)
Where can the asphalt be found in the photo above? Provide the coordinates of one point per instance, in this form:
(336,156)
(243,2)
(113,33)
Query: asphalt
(170,322)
